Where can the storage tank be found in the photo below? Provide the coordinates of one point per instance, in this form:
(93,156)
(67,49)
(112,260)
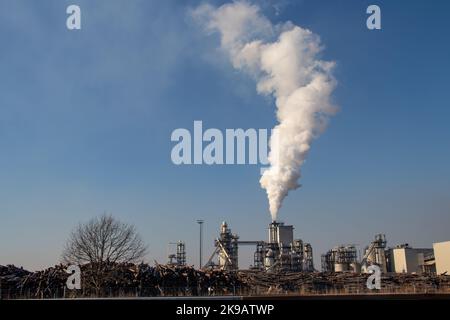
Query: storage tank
(340,267)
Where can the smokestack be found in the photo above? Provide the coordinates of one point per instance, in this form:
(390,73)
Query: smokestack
(283,60)
(273,232)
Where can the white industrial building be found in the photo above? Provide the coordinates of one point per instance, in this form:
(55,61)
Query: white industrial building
(442,257)
(404,259)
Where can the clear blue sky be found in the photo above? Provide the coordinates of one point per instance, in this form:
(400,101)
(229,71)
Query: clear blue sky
(86,118)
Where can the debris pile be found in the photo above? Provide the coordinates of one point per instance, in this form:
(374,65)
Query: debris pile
(11,278)
(143,280)
(115,280)
(340,283)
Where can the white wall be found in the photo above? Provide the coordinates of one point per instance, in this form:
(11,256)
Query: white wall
(408,260)
(442,257)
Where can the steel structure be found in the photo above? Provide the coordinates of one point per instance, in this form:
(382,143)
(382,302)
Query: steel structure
(178,258)
(375,253)
(341,258)
(281,252)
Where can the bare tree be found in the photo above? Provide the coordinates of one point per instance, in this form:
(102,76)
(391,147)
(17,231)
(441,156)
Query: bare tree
(104,240)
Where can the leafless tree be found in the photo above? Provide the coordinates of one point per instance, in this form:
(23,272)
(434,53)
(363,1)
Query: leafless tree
(103,240)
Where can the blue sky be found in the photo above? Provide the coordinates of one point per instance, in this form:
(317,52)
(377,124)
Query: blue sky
(86,118)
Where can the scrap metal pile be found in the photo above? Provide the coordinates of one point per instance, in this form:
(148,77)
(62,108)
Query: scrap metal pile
(119,280)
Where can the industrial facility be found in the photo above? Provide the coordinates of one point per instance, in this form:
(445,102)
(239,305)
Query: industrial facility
(398,259)
(404,259)
(341,258)
(282,265)
(345,258)
(179,257)
(280,253)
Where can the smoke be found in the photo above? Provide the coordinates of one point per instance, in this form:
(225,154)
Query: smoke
(283,59)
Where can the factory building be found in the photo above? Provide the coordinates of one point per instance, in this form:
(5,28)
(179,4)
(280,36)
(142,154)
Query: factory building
(442,257)
(404,259)
(283,252)
(280,252)
(375,254)
(227,246)
(399,259)
(344,258)
(341,258)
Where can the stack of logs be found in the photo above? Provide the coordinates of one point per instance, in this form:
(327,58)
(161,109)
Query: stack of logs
(124,279)
(340,283)
(118,280)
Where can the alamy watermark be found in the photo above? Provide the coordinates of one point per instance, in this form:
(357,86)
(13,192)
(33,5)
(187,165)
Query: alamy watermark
(374,280)
(73,21)
(74,280)
(373,22)
(215,147)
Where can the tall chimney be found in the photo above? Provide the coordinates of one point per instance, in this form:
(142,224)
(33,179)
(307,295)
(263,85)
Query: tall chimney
(273,232)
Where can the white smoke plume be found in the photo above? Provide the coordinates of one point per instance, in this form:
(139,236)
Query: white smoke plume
(284,61)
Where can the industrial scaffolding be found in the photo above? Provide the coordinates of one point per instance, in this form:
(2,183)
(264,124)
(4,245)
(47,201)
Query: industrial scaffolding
(340,258)
(178,258)
(280,253)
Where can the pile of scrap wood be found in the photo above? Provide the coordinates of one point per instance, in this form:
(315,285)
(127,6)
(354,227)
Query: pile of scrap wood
(116,280)
(126,279)
(345,282)
(17,282)
(11,278)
